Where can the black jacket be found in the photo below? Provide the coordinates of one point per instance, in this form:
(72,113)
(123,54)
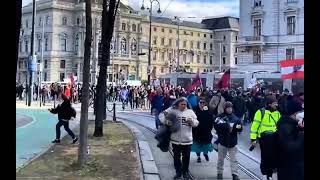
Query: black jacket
(222,126)
(290,149)
(239,105)
(202,133)
(65,111)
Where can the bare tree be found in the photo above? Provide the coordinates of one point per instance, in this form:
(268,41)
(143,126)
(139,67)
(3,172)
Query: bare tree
(109,13)
(18,26)
(82,155)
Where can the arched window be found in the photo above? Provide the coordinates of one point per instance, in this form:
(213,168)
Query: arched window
(134,47)
(123,46)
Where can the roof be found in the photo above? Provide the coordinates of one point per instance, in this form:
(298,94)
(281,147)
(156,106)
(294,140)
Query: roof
(166,20)
(226,22)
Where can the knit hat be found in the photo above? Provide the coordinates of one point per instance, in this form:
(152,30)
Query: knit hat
(270,100)
(227,104)
(293,106)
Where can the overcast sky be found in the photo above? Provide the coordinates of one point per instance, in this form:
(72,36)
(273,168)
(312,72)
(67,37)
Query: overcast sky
(189,8)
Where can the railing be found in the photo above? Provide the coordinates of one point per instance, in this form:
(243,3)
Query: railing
(254,38)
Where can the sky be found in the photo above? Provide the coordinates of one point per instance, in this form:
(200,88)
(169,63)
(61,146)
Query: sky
(188,8)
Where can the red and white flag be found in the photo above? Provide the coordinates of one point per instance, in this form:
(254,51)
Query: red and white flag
(292,69)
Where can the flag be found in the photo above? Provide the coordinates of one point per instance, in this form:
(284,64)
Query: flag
(292,69)
(224,81)
(195,82)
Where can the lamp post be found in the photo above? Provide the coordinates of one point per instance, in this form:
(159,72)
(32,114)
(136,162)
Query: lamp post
(149,51)
(178,59)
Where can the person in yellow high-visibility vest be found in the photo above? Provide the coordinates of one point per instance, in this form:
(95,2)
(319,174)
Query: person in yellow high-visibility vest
(263,128)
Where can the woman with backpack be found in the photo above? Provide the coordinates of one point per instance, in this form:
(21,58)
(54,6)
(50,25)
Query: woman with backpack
(65,112)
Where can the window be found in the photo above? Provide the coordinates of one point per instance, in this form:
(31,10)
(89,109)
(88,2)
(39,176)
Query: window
(47,20)
(224,38)
(204,46)
(236,38)
(61,76)
(184,57)
(210,46)
(62,64)
(27,24)
(177,32)
(211,36)
(64,21)
(134,28)
(20,64)
(78,21)
(204,59)
(257,3)
(123,44)
(46,43)
(198,45)
(162,69)
(198,34)
(63,43)
(162,30)
(204,35)
(290,53)
(26,44)
(170,30)
(191,33)
(257,28)
(123,26)
(162,56)
(154,29)
(20,46)
(170,56)
(191,57)
(211,62)
(177,43)
(236,60)
(236,51)
(185,32)
(191,44)
(256,56)
(184,44)
(224,60)
(170,42)
(140,29)
(154,57)
(39,45)
(291,25)
(45,76)
(40,22)
(76,44)
(223,48)
(45,64)
(162,41)
(154,40)
(198,58)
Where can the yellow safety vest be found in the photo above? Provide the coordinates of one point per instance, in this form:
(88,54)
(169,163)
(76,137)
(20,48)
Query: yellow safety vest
(268,123)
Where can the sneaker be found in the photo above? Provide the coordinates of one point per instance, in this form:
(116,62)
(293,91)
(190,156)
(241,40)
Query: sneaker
(56,141)
(186,176)
(199,160)
(219,176)
(74,140)
(206,157)
(177,176)
(235,177)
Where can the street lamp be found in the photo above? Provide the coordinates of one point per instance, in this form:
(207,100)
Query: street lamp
(150,16)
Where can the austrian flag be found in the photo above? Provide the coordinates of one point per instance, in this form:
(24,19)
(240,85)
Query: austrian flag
(292,69)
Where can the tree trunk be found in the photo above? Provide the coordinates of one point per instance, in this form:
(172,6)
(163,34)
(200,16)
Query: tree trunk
(108,17)
(18,26)
(82,156)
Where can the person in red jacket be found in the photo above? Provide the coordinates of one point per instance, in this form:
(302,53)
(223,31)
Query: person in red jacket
(67,91)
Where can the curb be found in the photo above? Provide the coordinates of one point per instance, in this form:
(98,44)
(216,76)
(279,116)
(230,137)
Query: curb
(149,169)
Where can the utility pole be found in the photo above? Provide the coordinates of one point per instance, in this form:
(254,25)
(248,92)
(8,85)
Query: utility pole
(41,62)
(32,58)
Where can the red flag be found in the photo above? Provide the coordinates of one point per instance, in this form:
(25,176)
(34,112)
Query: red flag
(292,69)
(224,81)
(195,82)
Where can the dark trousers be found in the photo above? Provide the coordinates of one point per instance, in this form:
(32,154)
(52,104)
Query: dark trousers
(267,146)
(184,150)
(65,124)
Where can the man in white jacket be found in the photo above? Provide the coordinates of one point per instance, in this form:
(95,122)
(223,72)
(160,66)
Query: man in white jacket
(182,139)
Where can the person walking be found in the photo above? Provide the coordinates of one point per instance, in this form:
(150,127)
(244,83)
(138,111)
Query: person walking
(216,103)
(290,143)
(227,126)
(181,140)
(202,135)
(65,112)
(157,105)
(262,129)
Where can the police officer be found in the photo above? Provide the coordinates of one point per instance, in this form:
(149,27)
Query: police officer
(263,129)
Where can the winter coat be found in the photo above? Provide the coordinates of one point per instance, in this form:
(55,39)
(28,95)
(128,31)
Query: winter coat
(202,133)
(290,150)
(214,103)
(65,111)
(184,135)
(222,127)
(157,103)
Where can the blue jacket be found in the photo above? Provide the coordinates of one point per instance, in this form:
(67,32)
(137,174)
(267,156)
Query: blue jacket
(157,103)
(192,99)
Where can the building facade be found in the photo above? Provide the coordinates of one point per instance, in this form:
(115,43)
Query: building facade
(270,31)
(60,34)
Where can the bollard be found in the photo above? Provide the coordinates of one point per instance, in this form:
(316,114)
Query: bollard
(114,112)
